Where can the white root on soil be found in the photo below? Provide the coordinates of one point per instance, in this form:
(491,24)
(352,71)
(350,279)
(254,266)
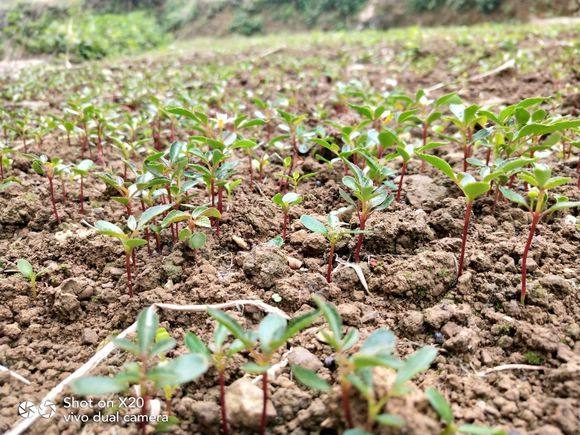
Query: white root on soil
(14,374)
(102,353)
(356,268)
(486,372)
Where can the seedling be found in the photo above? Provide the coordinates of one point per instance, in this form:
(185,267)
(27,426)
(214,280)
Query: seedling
(471,188)
(220,353)
(4,160)
(465,119)
(333,230)
(148,373)
(82,170)
(127,192)
(357,369)
(50,168)
(368,198)
(285,202)
(296,178)
(199,216)
(273,332)
(27,271)
(130,239)
(443,408)
(541,180)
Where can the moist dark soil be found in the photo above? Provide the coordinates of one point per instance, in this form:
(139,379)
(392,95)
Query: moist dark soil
(409,260)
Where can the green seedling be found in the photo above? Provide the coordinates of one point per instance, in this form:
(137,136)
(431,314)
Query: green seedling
(296,178)
(151,372)
(465,119)
(273,332)
(50,169)
(368,199)
(333,230)
(127,192)
(5,151)
(27,271)
(356,370)
(285,202)
(82,170)
(471,188)
(541,180)
(130,239)
(220,353)
(443,408)
(198,216)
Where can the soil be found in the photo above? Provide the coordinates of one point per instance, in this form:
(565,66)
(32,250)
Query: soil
(409,260)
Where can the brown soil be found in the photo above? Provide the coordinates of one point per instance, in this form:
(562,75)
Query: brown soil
(409,263)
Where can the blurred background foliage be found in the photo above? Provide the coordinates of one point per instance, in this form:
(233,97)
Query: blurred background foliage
(93,29)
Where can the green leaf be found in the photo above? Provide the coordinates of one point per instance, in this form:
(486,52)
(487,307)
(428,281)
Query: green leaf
(513,196)
(195,345)
(109,229)
(313,224)
(126,345)
(152,212)
(271,330)
(390,420)
(163,346)
(97,386)
(563,205)
(381,341)
(556,181)
(310,379)
(415,364)
(350,339)
(233,326)
(440,404)
(175,216)
(187,368)
(440,164)
(197,240)
(474,429)
(147,324)
(332,318)
(475,190)
(25,268)
(131,244)
(300,323)
(254,368)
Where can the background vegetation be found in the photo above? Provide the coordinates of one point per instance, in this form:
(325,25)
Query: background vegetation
(93,29)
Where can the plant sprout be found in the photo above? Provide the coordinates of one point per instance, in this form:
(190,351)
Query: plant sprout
(368,198)
(82,170)
(199,216)
(50,168)
(147,373)
(285,202)
(273,333)
(443,408)
(130,239)
(27,271)
(333,230)
(471,188)
(541,180)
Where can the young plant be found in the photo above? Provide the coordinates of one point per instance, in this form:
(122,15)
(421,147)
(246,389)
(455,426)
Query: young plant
(49,168)
(131,239)
(541,180)
(443,409)
(273,332)
(82,170)
(471,188)
(5,151)
(296,178)
(465,119)
(220,353)
(199,216)
(148,373)
(285,202)
(356,370)
(368,198)
(334,230)
(27,271)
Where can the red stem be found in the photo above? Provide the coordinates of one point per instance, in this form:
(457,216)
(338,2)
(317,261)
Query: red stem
(128,269)
(360,239)
(400,189)
(535,219)
(52,200)
(264,403)
(329,267)
(487,156)
(284,225)
(223,403)
(82,197)
(464,237)
(346,405)
(251,171)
